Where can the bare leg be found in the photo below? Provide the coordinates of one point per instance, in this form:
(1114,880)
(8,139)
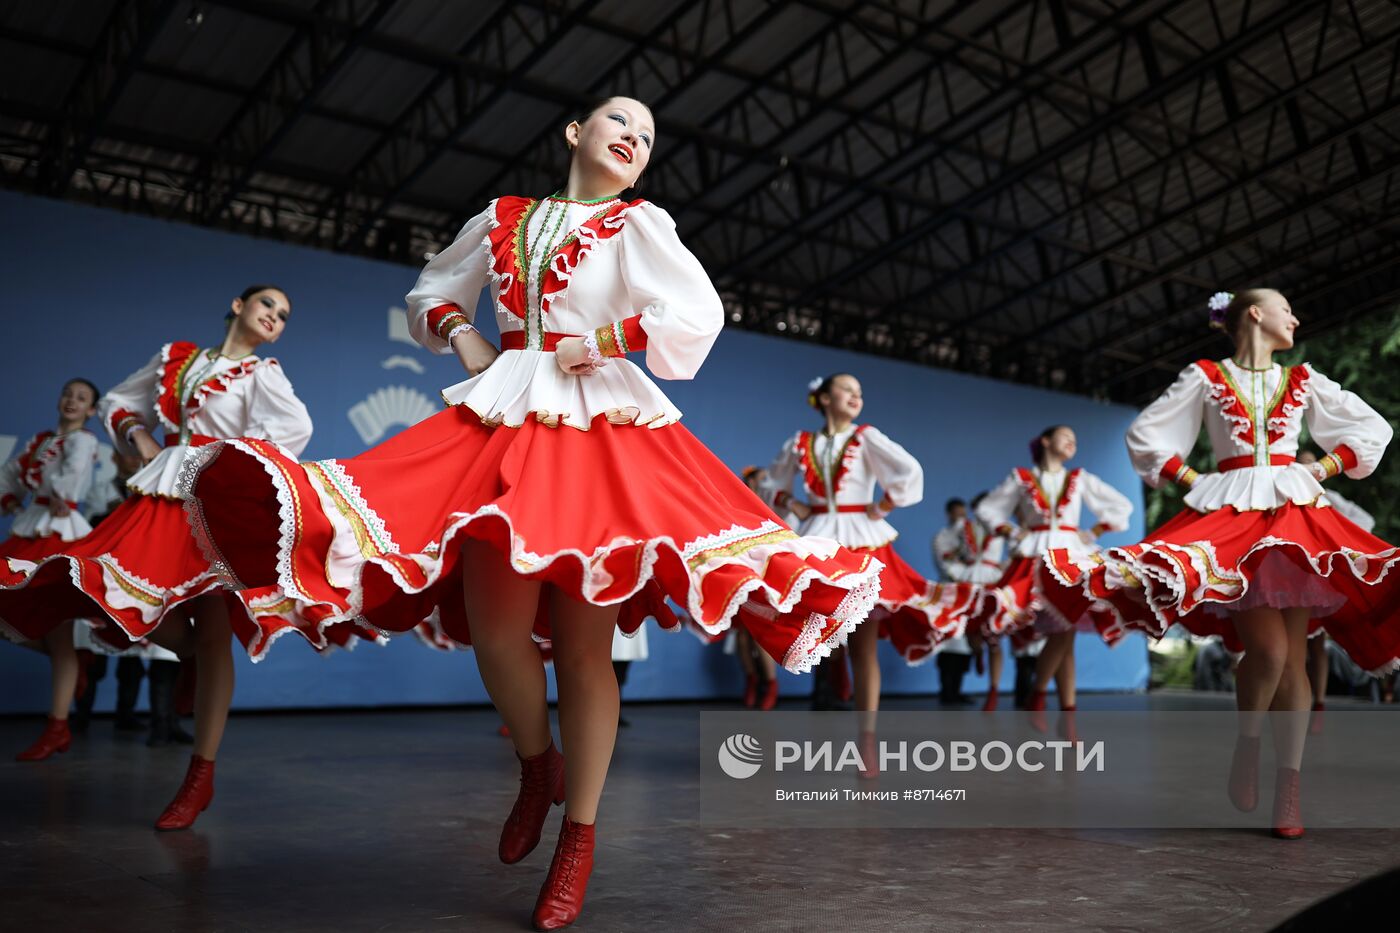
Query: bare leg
(63,660)
(1265,657)
(1047,665)
(1317,667)
(744,648)
(213,692)
(176,633)
(994,663)
(588,698)
(863,645)
(1294,695)
(501,607)
(1064,677)
(766,664)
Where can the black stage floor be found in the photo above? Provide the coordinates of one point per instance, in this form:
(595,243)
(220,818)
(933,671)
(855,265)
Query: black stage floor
(387,821)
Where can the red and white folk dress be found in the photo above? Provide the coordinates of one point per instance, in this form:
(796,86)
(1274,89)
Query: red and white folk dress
(52,466)
(839,474)
(1048,506)
(141,561)
(1260,531)
(587,482)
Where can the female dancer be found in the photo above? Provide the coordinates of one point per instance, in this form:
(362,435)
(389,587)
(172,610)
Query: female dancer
(840,466)
(53,471)
(557,494)
(1259,556)
(1047,500)
(141,568)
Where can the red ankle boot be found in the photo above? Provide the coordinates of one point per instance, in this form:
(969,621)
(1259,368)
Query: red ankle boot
(55,738)
(561,898)
(1037,710)
(541,784)
(990,706)
(1315,721)
(192,798)
(750,691)
(1288,813)
(770,695)
(1244,774)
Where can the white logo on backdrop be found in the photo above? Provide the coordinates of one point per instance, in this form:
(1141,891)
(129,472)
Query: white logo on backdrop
(392,406)
(404,362)
(740,756)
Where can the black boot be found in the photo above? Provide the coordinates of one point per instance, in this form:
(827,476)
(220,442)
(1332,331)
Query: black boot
(165,721)
(130,672)
(1025,681)
(82,703)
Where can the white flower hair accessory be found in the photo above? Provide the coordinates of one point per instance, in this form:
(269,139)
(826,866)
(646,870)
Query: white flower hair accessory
(1219,302)
(815,384)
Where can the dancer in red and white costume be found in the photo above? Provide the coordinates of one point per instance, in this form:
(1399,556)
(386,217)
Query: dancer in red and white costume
(1259,556)
(1048,500)
(839,467)
(53,472)
(558,493)
(141,568)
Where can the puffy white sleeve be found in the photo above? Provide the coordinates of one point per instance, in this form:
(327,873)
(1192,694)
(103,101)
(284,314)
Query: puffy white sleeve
(1352,512)
(274,412)
(447,289)
(71,479)
(674,306)
(11,489)
(783,470)
(948,553)
(899,474)
(1110,507)
(998,506)
(1162,436)
(131,404)
(1353,432)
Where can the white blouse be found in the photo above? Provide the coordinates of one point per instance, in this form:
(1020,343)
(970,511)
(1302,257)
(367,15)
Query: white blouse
(628,263)
(218,397)
(60,466)
(1048,506)
(966,551)
(843,469)
(1254,417)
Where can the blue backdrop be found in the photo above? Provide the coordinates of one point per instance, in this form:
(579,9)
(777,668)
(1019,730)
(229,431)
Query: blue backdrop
(95,293)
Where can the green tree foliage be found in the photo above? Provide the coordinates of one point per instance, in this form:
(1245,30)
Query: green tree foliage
(1365,358)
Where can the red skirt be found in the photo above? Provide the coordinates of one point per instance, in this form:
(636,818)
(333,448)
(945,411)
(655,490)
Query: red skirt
(616,514)
(914,614)
(1197,568)
(1029,604)
(31,549)
(139,564)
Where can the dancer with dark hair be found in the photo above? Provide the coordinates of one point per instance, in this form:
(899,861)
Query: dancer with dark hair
(839,468)
(557,498)
(1047,500)
(140,574)
(42,487)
